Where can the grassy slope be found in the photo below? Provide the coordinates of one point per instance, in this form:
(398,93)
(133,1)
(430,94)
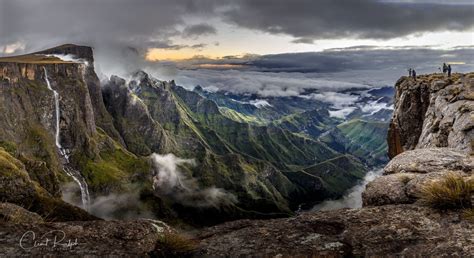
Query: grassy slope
(366,138)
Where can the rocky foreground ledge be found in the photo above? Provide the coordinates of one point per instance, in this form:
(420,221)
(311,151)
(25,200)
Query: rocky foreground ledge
(375,231)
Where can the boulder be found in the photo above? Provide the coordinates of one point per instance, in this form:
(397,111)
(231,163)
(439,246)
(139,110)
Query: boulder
(81,238)
(406,174)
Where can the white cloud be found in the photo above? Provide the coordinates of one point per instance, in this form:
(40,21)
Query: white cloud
(265,84)
(342,113)
(260,103)
(336,99)
(170,182)
(13,48)
(373,107)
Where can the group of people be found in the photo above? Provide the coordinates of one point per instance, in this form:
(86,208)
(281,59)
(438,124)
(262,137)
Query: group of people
(412,73)
(447,69)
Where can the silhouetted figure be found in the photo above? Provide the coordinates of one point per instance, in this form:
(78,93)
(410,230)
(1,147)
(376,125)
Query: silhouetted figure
(414,74)
(449,70)
(409,72)
(445,68)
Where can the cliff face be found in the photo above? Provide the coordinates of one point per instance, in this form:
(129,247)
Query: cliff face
(432,112)
(47,103)
(28,119)
(85,54)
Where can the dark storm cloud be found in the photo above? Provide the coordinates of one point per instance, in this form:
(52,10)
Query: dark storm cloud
(309,19)
(150,23)
(138,23)
(197,30)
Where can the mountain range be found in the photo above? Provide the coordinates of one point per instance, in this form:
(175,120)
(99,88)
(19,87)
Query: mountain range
(248,156)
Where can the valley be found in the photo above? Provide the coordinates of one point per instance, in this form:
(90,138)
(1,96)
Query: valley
(267,157)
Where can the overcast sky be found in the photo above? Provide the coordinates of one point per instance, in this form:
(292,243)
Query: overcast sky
(170,29)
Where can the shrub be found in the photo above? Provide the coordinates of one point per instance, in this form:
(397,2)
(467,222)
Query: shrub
(172,244)
(404,178)
(451,192)
(469,214)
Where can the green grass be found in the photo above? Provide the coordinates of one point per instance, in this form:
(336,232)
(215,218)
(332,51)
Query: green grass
(113,167)
(240,117)
(175,244)
(468,214)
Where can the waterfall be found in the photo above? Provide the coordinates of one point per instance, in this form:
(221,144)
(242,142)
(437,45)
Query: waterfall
(76,175)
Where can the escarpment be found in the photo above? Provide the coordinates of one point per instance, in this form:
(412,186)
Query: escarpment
(431,135)
(433,111)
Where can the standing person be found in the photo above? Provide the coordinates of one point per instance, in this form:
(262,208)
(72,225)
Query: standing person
(409,72)
(445,68)
(449,70)
(414,74)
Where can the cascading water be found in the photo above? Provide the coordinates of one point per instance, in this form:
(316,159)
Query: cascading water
(76,175)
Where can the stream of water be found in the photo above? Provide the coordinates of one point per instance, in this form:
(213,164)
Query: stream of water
(76,175)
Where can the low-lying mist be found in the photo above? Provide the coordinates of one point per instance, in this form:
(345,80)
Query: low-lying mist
(353,198)
(110,206)
(170,182)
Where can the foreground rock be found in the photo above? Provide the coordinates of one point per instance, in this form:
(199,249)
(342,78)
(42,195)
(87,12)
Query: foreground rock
(406,174)
(375,231)
(96,238)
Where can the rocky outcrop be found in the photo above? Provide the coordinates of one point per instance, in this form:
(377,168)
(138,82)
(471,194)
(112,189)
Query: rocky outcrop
(17,187)
(431,134)
(407,173)
(433,111)
(140,238)
(403,230)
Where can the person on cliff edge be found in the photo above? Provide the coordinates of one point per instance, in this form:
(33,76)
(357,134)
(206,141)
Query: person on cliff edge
(414,74)
(409,72)
(449,70)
